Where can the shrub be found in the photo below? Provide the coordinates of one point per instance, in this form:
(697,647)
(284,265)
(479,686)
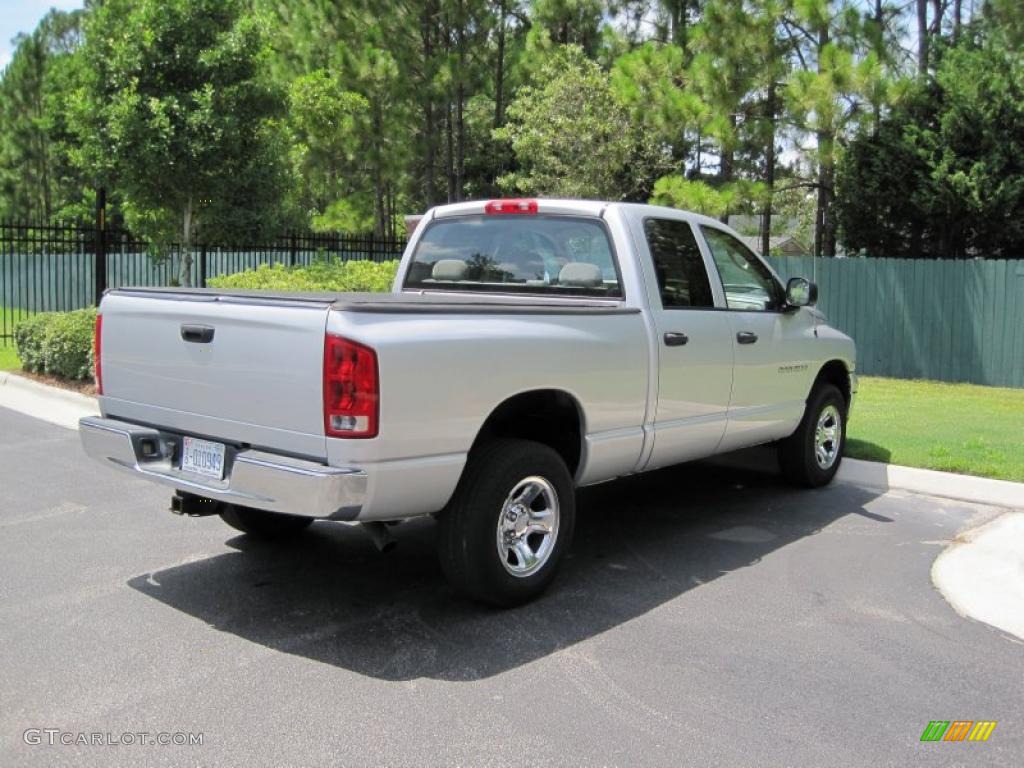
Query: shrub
(28,341)
(328,275)
(57,343)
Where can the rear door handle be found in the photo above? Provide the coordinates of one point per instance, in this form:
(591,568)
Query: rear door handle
(197,334)
(676,339)
(746,337)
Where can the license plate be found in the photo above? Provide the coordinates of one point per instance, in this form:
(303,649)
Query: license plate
(202,457)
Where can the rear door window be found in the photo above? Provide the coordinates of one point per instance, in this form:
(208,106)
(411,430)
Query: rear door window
(678,264)
(568,255)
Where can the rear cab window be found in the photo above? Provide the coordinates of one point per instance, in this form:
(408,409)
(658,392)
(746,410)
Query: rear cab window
(538,254)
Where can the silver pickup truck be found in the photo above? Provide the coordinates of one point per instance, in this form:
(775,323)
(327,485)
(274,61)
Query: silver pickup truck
(528,347)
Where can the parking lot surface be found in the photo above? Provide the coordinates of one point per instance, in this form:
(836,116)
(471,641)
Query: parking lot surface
(706,616)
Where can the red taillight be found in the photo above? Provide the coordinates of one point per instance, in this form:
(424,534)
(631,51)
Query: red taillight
(97,348)
(511,206)
(351,389)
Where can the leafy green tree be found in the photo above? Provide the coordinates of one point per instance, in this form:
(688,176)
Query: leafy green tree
(568,131)
(178,114)
(202,120)
(1005,18)
(568,22)
(943,176)
(418,65)
(326,128)
(37,178)
(653,83)
(740,64)
(738,196)
(828,93)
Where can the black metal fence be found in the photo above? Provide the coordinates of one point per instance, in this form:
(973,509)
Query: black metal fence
(59,267)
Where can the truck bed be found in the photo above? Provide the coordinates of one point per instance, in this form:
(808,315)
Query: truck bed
(400,303)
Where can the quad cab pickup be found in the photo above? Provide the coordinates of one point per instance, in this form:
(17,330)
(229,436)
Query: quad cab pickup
(528,347)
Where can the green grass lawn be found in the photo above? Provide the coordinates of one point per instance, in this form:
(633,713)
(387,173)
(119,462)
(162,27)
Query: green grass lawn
(8,358)
(951,427)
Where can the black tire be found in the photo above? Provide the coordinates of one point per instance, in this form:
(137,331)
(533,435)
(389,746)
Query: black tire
(797,453)
(468,532)
(261,524)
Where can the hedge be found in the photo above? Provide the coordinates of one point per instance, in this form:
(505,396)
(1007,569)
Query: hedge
(330,275)
(60,343)
(57,343)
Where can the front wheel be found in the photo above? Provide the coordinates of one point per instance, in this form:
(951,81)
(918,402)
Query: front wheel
(511,519)
(811,456)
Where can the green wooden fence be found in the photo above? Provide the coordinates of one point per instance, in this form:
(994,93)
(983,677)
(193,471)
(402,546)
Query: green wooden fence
(947,320)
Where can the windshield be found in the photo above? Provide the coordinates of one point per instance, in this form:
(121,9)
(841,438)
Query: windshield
(558,255)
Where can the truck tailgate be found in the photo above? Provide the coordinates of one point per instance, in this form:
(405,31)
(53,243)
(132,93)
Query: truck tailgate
(257,381)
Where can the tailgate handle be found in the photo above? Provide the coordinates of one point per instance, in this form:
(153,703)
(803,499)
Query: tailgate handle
(197,334)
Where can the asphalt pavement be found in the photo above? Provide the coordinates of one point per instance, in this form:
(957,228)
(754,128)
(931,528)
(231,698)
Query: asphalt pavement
(707,616)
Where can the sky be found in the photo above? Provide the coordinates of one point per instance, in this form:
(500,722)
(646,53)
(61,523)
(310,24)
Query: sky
(22,16)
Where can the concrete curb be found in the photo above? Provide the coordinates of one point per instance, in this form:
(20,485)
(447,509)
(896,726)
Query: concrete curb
(53,404)
(7,378)
(63,407)
(979,490)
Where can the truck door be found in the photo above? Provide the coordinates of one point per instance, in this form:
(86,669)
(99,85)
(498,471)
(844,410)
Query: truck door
(772,346)
(694,343)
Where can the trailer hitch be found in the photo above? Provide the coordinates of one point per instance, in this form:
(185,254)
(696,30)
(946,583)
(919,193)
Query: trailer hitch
(190,505)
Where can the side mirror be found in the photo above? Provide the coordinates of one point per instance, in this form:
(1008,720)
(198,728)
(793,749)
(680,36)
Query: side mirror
(801,292)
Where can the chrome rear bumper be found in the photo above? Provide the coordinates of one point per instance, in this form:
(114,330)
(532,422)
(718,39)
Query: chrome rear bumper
(252,479)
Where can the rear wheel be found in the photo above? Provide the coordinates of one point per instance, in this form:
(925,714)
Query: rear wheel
(504,532)
(261,524)
(811,455)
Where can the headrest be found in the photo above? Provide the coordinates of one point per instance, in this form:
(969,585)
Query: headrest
(449,269)
(581,274)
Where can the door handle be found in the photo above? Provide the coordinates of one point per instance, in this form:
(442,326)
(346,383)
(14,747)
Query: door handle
(676,339)
(197,334)
(746,337)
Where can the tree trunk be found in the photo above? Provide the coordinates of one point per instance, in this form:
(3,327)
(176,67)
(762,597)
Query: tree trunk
(769,171)
(450,146)
(460,104)
(677,22)
(460,141)
(957,12)
(449,119)
(826,176)
(938,10)
(185,276)
(824,230)
(879,20)
(499,73)
(379,213)
(429,115)
(728,158)
(922,37)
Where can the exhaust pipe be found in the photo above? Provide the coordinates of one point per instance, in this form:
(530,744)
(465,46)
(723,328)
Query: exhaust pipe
(380,536)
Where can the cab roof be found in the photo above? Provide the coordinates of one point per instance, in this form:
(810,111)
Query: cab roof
(567,206)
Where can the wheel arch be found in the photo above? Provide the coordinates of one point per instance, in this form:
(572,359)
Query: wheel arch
(837,373)
(553,417)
